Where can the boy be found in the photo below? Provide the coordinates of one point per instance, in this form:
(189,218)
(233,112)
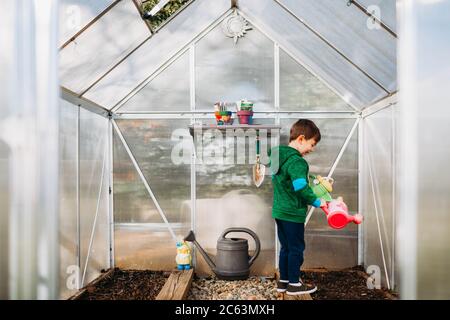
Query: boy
(291,197)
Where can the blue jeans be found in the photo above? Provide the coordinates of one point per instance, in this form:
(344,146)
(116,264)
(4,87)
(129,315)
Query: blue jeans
(292,239)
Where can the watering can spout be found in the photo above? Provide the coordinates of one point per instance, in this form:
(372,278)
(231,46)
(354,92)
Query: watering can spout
(191,238)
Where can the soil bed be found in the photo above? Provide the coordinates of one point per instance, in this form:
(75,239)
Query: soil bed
(127,285)
(347,284)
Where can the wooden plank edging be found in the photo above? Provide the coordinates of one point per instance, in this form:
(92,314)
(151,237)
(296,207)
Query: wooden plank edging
(83,290)
(177,286)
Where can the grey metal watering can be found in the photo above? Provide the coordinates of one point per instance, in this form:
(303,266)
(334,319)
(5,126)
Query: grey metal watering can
(232,261)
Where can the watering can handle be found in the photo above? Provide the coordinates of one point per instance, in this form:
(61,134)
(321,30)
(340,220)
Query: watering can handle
(254,236)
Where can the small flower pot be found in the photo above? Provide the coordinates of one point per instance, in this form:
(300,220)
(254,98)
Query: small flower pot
(245,117)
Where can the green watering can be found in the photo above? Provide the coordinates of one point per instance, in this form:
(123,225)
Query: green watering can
(321,186)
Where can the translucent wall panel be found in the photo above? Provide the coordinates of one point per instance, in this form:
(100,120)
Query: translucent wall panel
(101,46)
(423,184)
(351,83)
(301,90)
(76,14)
(169,91)
(153,53)
(326,247)
(4,218)
(68,196)
(386,9)
(142,240)
(377,199)
(352,33)
(94,184)
(225,71)
(227,196)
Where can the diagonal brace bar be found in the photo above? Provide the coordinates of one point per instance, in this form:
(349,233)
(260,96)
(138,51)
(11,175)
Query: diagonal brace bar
(144,180)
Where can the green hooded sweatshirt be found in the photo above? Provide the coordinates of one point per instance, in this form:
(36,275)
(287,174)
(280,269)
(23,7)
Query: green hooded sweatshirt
(291,191)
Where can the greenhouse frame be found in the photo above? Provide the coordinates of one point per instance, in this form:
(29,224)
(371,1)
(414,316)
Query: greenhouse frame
(105,161)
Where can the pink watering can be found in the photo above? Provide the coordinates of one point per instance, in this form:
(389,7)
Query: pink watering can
(337,214)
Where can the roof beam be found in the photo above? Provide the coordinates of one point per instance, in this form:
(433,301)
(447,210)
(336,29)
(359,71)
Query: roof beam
(76,35)
(84,103)
(381,23)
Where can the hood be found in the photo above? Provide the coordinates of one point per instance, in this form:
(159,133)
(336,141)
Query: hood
(280,154)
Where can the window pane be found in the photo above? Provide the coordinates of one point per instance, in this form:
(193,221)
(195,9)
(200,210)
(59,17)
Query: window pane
(301,90)
(169,91)
(225,71)
(101,46)
(352,33)
(315,54)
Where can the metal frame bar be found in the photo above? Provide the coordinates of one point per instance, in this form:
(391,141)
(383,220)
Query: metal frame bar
(144,180)
(361,227)
(336,161)
(94,224)
(169,61)
(78,201)
(365,11)
(379,105)
(111,195)
(82,102)
(90,23)
(208,115)
(377,218)
(351,105)
(193,153)
(394,175)
(332,46)
(276,62)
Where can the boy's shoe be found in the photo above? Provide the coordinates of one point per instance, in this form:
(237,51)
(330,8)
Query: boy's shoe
(303,288)
(282,286)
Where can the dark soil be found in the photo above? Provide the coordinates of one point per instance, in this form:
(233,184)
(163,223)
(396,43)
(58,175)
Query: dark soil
(127,285)
(348,284)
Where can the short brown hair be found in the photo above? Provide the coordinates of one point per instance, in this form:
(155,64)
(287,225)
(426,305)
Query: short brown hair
(305,127)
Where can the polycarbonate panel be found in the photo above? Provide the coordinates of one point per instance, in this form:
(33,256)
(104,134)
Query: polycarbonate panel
(316,55)
(142,239)
(301,90)
(132,203)
(76,14)
(326,247)
(386,10)
(352,33)
(424,145)
(4,218)
(226,195)
(377,199)
(225,71)
(101,46)
(156,51)
(143,247)
(169,91)
(93,162)
(68,197)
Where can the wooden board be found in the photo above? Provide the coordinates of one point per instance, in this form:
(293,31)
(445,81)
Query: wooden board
(177,285)
(92,284)
(298,297)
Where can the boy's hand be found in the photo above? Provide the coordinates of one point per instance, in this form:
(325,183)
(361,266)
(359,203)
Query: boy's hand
(323,203)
